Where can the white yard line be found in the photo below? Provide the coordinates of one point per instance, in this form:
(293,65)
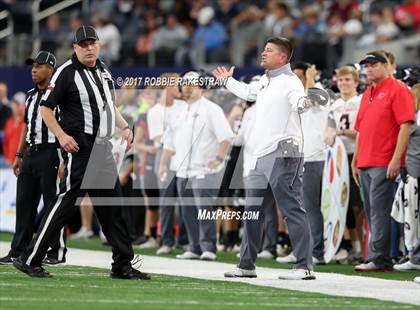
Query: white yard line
(326,283)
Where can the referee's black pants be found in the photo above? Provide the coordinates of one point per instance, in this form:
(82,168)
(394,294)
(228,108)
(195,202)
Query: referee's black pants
(38,176)
(63,206)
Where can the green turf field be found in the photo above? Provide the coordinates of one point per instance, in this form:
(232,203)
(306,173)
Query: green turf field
(95,244)
(91,288)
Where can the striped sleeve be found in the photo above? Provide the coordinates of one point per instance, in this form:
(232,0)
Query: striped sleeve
(57,88)
(27,102)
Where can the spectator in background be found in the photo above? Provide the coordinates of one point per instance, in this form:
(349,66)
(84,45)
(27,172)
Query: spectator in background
(343,9)
(210,36)
(75,21)
(4,101)
(335,34)
(196,7)
(407,15)
(226,10)
(246,37)
(311,36)
(383,29)
(5,113)
(122,12)
(103,6)
(109,36)
(13,127)
(167,39)
(144,44)
(342,35)
(129,17)
(278,21)
(53,35)
(311,25)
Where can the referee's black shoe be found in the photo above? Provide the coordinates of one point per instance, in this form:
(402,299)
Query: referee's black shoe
(32,271)
(52,261)
(130,274)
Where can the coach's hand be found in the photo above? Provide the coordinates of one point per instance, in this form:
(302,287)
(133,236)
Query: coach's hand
(393,168)
(17,165)
(68,143)
(355,171)
(222,73)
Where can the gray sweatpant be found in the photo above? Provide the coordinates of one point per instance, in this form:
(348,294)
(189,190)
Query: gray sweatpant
(378,198)
(284,175)
(312,186)
(271,223)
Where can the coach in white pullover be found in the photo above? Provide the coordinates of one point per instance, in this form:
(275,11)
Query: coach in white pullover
(278,158)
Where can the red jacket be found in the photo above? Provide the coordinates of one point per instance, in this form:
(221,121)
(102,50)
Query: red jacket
(12,132)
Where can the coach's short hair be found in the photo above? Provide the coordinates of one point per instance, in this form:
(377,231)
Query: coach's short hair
(283,44)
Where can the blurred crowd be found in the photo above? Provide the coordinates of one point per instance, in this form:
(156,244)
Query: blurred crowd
(190,33)
(186,32)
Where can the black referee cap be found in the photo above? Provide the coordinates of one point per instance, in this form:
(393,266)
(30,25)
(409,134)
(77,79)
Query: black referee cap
(43,57)
(85,33)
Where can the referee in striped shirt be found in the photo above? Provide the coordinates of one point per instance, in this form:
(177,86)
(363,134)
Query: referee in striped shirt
(36,167)
(83,90)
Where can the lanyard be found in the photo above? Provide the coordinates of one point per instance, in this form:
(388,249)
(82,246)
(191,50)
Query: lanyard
(106,108)
(99,83)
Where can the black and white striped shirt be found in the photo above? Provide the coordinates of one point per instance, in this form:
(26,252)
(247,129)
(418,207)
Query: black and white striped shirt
(38,132)
(85,97)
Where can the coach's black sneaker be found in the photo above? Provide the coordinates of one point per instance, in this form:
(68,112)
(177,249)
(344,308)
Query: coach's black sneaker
(7,260)
(53,261)
(32,271)
(130,274)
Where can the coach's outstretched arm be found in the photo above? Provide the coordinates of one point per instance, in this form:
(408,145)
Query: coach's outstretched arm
(239,89)
(67,142)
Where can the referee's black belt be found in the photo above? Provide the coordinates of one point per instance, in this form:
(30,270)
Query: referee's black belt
(42,147)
